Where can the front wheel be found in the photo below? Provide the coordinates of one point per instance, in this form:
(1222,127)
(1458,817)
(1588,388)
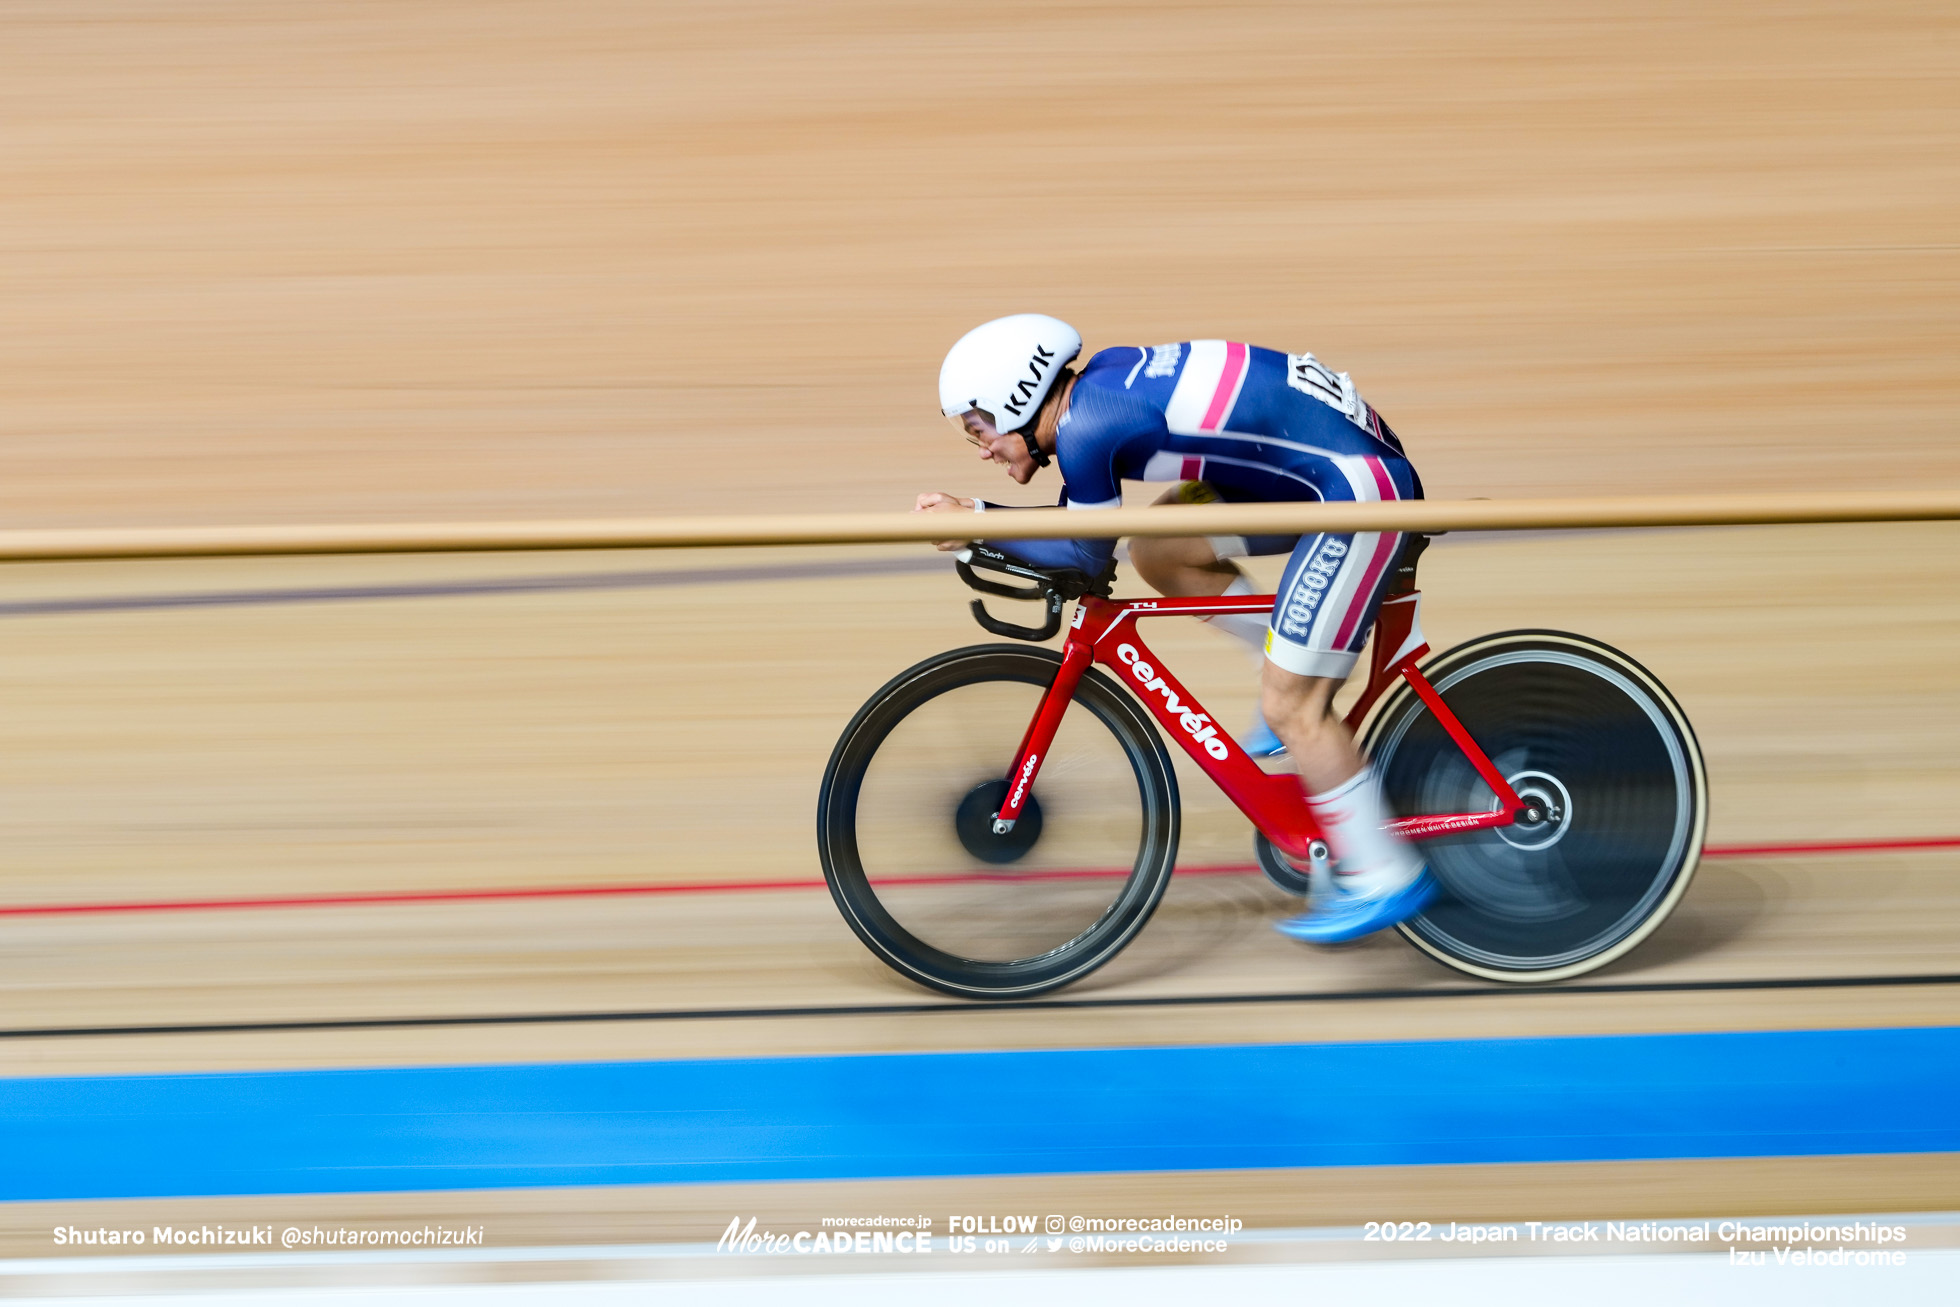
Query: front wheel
(905,825)
(1607,757)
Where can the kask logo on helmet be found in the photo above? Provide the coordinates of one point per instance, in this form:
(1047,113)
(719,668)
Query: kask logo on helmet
(1006,367)
(1017,403)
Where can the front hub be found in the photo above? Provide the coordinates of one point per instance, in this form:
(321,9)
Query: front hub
(974,822)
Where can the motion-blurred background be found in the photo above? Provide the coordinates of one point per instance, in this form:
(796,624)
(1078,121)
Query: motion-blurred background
(395,261)
(428,260)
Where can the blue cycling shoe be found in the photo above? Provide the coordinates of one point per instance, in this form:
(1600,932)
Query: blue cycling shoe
(1259,740)
(1347,917)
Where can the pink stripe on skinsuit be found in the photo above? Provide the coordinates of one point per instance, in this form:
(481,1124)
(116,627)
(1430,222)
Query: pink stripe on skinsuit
(1384,547)
(1228,381)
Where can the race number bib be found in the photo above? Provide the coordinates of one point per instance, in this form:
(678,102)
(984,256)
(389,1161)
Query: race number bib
(1309,375)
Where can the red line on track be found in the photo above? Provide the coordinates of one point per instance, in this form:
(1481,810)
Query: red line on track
(403,896)
(750,886)
(1827,846)
(557,892)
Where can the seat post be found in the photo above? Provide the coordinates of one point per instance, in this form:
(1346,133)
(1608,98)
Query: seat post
(1403,579)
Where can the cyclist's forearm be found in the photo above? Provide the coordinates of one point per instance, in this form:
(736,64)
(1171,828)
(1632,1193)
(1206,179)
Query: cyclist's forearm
(1088,555)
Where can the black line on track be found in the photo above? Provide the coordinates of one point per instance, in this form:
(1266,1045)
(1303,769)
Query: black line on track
(1012,1005)
(642,580)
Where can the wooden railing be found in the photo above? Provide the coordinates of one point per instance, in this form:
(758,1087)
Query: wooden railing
(866,528)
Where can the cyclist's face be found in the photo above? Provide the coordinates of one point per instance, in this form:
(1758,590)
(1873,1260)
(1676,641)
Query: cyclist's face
(1009,450)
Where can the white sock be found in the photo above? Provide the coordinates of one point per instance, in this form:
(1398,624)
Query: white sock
(1248,627)
(1373,860)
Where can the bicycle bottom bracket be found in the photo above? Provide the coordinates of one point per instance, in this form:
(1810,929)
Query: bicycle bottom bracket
(974,823)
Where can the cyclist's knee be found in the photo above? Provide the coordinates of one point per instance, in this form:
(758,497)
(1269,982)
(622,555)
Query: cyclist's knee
(1299,703)
(1154,563)
(1180,565)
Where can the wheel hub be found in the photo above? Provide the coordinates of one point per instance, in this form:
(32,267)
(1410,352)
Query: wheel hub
(1547,813)
(979,831)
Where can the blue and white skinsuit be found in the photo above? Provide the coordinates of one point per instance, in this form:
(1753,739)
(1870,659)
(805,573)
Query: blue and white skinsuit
(1257,426)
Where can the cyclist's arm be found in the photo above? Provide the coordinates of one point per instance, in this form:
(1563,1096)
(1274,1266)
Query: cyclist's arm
(1088,555)
(1086,443)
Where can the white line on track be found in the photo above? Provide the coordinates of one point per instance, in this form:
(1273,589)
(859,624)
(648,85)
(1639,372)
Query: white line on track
(1268,1266)
(1927,1277)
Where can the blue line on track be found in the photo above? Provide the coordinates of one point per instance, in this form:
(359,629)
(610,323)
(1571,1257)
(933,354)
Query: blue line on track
(946,1114)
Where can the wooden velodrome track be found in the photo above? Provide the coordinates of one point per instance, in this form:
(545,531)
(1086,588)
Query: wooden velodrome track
(435,260)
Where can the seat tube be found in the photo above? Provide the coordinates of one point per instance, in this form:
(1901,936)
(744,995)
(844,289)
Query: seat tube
(1076,657)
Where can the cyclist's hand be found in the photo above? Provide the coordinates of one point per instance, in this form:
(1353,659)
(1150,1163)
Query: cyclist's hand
(933,501)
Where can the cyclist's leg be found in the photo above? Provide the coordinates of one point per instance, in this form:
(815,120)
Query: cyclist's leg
(1300,708)
(1201,565)
(1327,601)
(1328,596)
(1181,566)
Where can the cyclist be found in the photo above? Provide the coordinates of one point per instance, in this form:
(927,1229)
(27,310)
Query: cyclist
(1233,422)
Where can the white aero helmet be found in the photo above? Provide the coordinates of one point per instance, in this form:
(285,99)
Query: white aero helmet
(1006,367)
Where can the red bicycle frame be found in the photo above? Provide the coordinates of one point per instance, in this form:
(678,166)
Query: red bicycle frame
(1104,631)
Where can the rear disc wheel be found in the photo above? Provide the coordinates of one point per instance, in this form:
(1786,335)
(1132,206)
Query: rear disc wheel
(1618,801)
